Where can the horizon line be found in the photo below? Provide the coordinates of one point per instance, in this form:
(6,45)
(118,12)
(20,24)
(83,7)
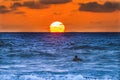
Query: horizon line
(56,32)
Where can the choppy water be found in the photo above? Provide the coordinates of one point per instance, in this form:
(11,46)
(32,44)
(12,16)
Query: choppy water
(47,56)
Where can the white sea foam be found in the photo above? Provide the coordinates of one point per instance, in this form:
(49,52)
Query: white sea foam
(53,77)
(30,77)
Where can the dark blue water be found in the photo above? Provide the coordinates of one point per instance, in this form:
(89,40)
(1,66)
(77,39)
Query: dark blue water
(48,56)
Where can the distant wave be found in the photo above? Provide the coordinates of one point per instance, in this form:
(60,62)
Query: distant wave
(5,43)
(113,44)
(30,54)
(87,47)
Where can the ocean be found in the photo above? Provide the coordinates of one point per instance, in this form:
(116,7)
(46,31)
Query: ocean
(49,56)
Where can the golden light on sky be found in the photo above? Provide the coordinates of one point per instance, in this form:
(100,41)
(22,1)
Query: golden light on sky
(57,27)
(77,15)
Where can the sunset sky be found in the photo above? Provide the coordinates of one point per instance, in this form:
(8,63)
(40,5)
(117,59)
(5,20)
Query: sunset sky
(76,15)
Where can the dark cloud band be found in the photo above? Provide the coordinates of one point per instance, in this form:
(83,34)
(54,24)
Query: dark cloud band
(34,5)
(54,1)
(4,9)
(95,7)
(40,4)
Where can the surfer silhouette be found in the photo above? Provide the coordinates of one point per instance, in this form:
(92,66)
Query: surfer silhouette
(76,59)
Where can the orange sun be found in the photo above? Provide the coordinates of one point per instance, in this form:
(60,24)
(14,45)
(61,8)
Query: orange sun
(57,27)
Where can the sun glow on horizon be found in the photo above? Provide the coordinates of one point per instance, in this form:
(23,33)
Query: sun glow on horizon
(57,27)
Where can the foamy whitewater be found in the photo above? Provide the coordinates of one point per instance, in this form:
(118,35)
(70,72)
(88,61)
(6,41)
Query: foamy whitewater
(48,56)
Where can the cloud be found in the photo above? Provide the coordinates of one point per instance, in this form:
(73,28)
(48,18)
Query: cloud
(34,5)
(16,5)
(29,4)
(95,7)
(3,9)
(20,12)
(40,4)
(54,1)
(12,0)
(16,0)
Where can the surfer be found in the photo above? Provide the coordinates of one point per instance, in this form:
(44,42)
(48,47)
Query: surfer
(76,58)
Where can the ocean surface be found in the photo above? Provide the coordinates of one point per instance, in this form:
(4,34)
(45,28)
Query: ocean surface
(48,56)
